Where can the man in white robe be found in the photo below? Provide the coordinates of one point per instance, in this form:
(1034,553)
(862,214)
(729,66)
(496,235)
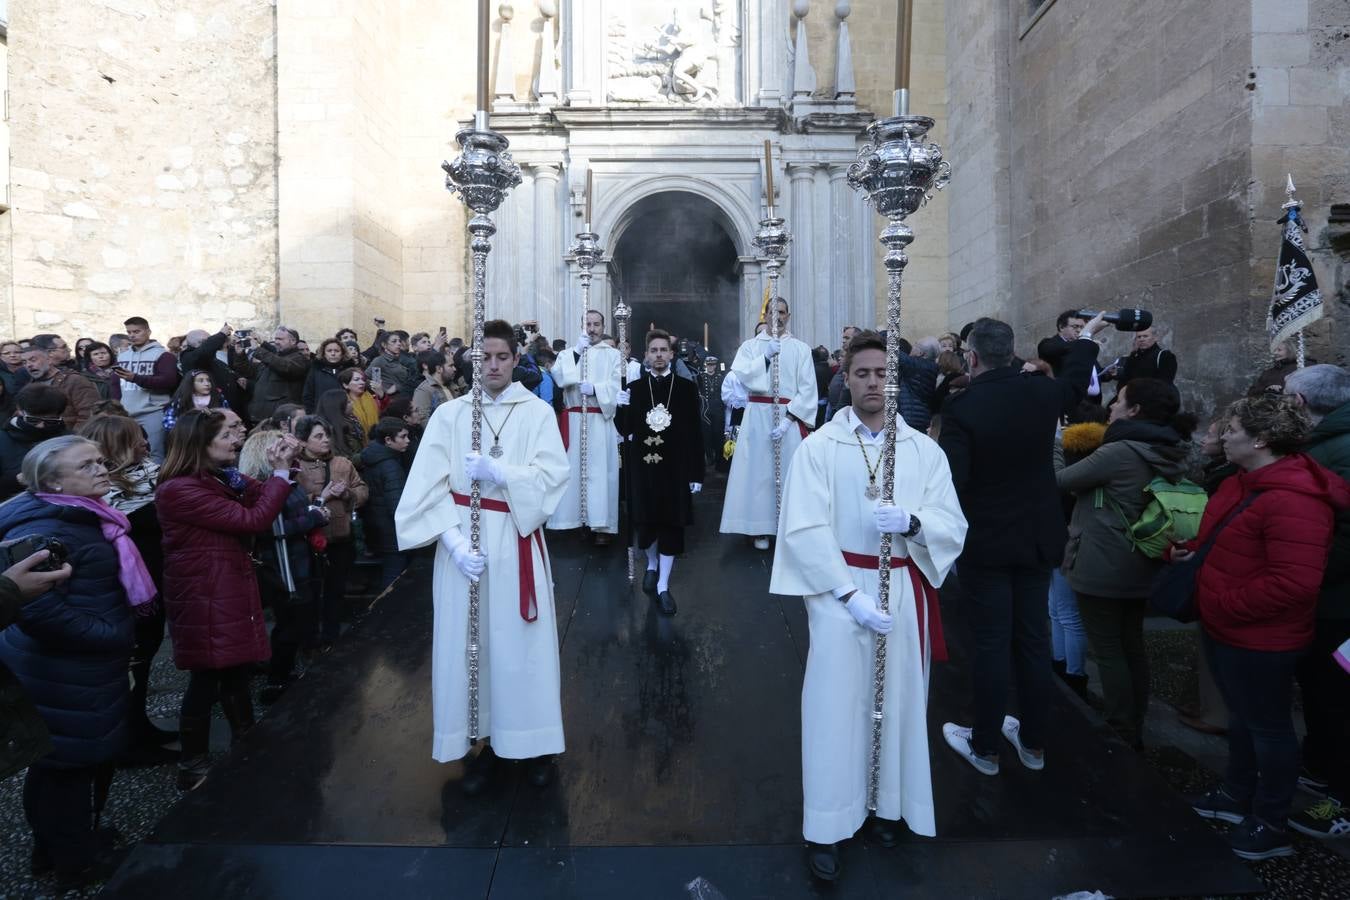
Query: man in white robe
(828,539)
(750,506)
(519,697)
(590,383)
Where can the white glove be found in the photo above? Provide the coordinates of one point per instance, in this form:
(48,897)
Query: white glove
(772,348)
(622,398)
(863,608)
(587,389)
(584,340)
(634,371)
(890,518)
(470,564)
(695,487)
(776,434)
(481,468)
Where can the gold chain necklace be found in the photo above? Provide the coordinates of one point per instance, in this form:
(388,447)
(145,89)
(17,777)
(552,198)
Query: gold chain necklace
(872,492)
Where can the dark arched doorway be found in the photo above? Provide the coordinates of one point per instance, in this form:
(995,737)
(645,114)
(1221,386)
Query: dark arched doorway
(676,266)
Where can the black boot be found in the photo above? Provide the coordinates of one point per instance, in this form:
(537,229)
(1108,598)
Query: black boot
(1059,666)
(1078,683)
(478,772)
(823,860)
(194,736)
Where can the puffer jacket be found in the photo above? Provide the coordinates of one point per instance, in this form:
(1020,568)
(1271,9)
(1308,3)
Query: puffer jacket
(386,476)
(16,439)
(71,647)
(298,519)
(322,377)
(1259,585)
(313,474)
(1099,559)
(23,734)
(1329,444)
(210,590)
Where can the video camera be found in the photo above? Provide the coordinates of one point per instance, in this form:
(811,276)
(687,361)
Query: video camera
(1125,320)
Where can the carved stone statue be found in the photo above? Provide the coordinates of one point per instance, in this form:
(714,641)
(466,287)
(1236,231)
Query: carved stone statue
(685,61)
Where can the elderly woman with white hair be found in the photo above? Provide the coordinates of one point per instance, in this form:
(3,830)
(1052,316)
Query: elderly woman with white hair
(71,647)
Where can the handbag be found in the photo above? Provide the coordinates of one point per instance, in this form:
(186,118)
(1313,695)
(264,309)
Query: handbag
(1173,591)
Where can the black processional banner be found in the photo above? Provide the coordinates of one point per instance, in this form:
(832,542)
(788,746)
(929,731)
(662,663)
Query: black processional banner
(1297,302)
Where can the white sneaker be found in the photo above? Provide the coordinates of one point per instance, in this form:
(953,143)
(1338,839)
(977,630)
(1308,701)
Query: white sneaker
(761,543)
(1012,731)
(958,738)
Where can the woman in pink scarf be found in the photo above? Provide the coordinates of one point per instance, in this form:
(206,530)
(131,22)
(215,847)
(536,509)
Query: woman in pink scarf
(71,647)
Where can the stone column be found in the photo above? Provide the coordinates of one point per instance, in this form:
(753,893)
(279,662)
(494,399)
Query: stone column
(844,291)
(752,298)
(548,249)
(800,289)
(765,50)
(523,299)
(584,38)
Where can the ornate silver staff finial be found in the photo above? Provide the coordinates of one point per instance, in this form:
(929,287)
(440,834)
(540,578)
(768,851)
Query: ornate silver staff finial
(481,175)
(772,239)
(898,173)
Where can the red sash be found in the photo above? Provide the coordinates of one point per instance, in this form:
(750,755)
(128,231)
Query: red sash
(529,608)
(921,588)
(563,418)
(801,426)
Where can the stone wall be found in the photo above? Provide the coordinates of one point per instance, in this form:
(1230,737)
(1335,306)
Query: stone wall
(143,165)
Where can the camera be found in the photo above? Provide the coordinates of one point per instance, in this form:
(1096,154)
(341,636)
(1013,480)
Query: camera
(19,549)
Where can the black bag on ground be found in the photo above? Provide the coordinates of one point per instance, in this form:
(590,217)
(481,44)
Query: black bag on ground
(1173,592)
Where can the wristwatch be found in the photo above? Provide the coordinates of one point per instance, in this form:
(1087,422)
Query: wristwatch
(914,526)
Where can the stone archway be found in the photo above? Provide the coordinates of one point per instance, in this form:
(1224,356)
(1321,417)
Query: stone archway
(676,264)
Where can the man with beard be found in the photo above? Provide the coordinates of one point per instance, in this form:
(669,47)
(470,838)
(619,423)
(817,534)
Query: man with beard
(659,416)
(522,473)
(828,538)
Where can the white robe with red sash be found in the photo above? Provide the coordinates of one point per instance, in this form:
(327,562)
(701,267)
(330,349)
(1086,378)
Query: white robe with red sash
(602,366)
(749,507)
(519,685)
(825,516)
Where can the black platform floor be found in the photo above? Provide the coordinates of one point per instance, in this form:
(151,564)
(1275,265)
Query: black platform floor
(681,780)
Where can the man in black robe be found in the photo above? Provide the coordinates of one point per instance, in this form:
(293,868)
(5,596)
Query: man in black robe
(659,417)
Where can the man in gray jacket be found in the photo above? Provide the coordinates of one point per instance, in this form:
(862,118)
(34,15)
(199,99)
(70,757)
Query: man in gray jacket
(149,376)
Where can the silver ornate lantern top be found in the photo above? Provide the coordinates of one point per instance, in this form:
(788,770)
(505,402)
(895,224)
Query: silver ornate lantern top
(773,237)
(483,172)
(587,250)
(899,171)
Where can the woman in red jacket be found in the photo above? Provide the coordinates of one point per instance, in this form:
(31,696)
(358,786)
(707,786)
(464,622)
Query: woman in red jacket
(1256,595)
(209,513)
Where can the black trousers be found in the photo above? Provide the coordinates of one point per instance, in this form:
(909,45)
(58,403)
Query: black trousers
(59,806)
(1326,707)
(149,637)
(1004,608)
(669,538)
(293,629)
(207,687)
(340,557)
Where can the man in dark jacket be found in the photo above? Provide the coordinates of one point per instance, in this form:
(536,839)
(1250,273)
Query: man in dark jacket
(1146,360)
(384,473)
(1055,349)
(23,734)
(279,371)
(37,417)
(202,352)
(1324,391)
(999,436)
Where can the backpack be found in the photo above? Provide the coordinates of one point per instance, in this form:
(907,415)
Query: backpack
(1171,515)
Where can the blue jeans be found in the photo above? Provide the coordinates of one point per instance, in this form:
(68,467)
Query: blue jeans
(1068,638)
(391,566)
(1263,753)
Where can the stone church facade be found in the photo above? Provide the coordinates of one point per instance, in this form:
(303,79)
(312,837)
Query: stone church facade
(257,162)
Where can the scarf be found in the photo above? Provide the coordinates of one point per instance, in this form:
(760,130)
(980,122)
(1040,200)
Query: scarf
(131,571)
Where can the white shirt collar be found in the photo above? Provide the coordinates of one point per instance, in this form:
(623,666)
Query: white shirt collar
(856,426)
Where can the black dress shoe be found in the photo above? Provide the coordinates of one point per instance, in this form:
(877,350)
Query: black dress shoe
(883,832)
(478,772)
(649,582)
(540,771)
(823,860)
(666,603)
(603,538)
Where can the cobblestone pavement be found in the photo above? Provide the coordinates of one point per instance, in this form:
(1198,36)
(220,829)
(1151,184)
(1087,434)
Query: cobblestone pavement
(1188,761)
